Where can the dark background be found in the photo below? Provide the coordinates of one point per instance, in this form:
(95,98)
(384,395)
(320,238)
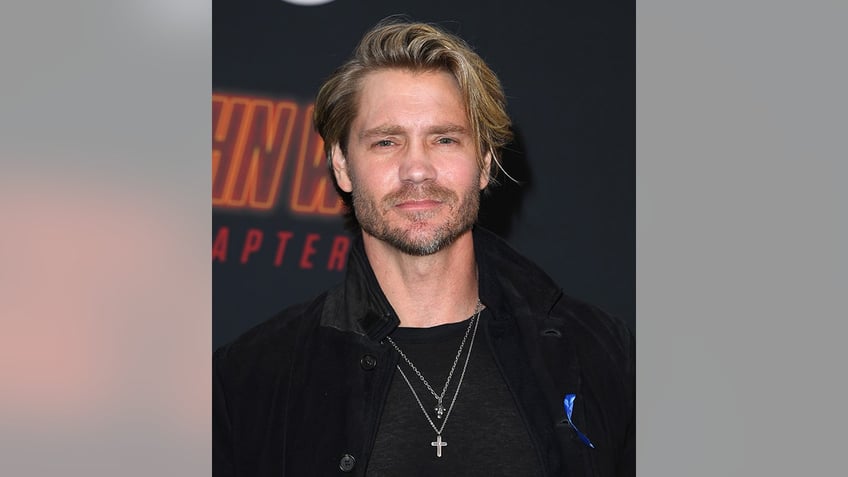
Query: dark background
(568,69)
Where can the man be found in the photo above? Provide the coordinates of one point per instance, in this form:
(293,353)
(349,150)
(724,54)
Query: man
(444,352)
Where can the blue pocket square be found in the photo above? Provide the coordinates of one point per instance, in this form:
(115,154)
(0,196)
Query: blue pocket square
(568,402)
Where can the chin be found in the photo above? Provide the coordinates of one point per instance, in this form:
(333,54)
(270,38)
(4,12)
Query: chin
(421,240)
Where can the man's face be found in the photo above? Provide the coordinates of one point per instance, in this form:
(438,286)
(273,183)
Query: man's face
(411,161)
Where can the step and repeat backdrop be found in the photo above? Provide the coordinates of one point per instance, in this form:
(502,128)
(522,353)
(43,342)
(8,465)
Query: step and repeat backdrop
(568,69)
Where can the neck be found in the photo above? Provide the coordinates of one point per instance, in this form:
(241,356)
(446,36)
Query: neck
(427,291)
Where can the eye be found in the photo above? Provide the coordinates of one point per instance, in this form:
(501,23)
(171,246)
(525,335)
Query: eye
(446,140)
(383,143)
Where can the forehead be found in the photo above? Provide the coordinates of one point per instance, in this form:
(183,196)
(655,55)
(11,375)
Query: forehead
(407,98)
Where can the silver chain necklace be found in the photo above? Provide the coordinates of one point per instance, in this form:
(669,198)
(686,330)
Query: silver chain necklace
(439,409)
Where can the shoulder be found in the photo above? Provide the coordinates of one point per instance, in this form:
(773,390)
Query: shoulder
(593,332)
(271,342)
(590,322)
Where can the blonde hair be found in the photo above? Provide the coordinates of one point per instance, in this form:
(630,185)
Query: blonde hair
(394,43)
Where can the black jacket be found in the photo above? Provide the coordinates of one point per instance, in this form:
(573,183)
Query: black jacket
(301,394)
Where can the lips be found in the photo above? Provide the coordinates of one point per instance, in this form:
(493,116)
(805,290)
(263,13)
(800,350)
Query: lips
(419,204)
(422,197)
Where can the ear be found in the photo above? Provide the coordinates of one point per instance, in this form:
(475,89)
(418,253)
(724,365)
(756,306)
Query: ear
(340,169)
(486,171)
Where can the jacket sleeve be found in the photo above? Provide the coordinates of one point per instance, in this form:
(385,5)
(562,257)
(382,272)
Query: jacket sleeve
(627,460)
(222,439)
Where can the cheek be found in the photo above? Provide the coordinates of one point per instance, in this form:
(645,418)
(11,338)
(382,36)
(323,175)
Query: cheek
(372,182)
(470,176)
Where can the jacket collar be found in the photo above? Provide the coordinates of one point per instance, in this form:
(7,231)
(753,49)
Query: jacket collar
(509,285)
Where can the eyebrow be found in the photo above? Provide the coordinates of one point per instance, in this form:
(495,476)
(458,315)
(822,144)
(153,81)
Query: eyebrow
(448,129)
(381,131)
(394,130)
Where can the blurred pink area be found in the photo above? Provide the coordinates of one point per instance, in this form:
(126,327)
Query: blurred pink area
(106,308)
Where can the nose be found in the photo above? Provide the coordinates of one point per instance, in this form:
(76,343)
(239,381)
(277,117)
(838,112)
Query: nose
(416,164)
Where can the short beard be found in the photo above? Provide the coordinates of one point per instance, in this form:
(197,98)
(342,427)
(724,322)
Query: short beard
(370,215)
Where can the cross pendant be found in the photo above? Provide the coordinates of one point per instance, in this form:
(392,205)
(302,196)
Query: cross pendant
(438,444)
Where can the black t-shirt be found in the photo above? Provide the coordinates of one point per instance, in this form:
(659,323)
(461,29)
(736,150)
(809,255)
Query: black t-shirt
(485,435)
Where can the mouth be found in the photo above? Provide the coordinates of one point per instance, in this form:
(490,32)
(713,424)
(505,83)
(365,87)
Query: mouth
(418,205)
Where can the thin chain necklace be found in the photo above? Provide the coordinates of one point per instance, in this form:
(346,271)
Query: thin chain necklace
(439,409)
